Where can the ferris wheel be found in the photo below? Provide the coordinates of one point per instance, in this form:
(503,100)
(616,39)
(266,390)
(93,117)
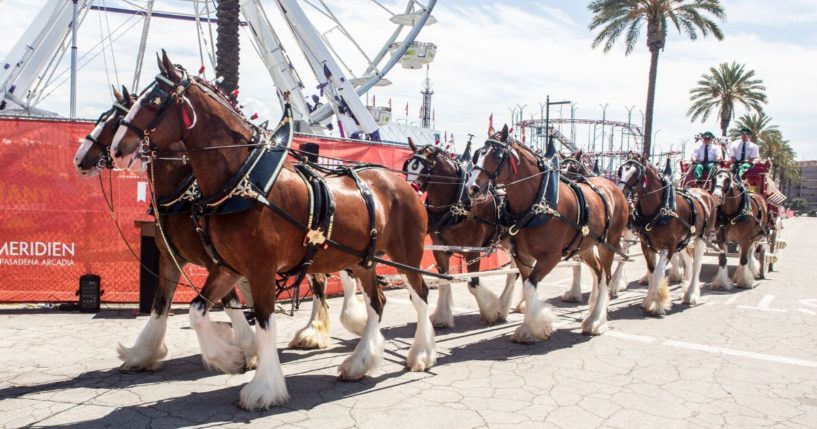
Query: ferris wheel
(318,32)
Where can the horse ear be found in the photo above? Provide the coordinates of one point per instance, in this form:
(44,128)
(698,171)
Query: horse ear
(170,69)
(116,94)
(504,134)
(125,93)
(596,169)
(412,145)
(159,62)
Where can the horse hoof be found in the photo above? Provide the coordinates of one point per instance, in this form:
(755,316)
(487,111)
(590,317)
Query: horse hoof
(571,297)
(590,327)
(419,361)
(441,322)
(257,396)
(310,338)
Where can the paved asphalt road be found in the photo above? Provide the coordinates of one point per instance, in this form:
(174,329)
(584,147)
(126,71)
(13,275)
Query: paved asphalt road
(742,359)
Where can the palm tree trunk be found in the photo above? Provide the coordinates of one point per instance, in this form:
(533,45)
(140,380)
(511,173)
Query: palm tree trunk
(227,45)
(647,150)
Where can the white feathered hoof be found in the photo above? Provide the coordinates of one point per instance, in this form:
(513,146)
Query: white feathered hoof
(744,278)
(535,328)
(311,337)
(259,396)
(594,327)
(572,295)
(442,318)
(721,281)
(521,307)
(353,317)
(229,360)
(692,299)
(657,304)
(490,312)
(366,359)
(421,357)
(135,359)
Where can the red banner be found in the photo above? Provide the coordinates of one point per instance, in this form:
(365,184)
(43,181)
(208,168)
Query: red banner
(55,225)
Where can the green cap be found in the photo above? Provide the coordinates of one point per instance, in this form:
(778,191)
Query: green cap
(745,130)
(708,135)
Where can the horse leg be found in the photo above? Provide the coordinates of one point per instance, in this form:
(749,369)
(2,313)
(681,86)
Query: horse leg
(538,323)
(267,387)
(574,294)
(443,314)
(657,301)
(675,275)
(507,293)
(422,354)
(217,352)
(315,335)
(692,294)
(242,334)
(753,265)
(368,353)
(721,279)
(489,307)
(353,313)
(617,282)
(525,268)
(150,348)
(743,276)
(596,321)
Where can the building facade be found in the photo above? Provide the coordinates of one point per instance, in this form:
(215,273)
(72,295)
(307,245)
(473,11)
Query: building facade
(807,188)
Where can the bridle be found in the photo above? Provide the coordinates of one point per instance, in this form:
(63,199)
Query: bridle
(630,184)
(501,154)
(429,157)
(105,160)
(722,186)
(162,102)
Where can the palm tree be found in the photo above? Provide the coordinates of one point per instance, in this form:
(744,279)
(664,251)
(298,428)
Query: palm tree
(724,87)
(617,17)
(227,45)
(771,143)
(759,123)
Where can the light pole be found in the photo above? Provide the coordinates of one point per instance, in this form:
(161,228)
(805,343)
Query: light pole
(654,142)
(521,118)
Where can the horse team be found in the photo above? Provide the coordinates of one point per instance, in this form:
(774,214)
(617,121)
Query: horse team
(197,144)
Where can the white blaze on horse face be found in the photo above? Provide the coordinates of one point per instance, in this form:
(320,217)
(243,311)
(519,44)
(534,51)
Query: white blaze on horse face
(720,183)
(472,176)
(122,130)
(627,172)
(414,169)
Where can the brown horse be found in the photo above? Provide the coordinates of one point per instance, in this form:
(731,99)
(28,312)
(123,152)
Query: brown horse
(667,221)
(456,220)
(742,218)
(174,194)
(259,243)
(543,231)
(575,167)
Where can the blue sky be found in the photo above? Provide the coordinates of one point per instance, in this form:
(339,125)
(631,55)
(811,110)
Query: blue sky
(495,54)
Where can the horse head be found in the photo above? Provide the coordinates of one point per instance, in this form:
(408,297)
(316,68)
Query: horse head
(93,153)
(490,163)
(148,125)
(425,162)
(720,184)
(632,172)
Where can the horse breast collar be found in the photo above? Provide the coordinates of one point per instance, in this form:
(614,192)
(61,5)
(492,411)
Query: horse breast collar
(544,206)
(181,201)
(256,176)
(459,210)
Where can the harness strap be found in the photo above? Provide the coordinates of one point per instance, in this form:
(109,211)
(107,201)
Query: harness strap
(366,193)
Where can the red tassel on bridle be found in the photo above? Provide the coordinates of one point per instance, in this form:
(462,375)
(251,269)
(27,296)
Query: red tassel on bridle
(513,163)
(186,117)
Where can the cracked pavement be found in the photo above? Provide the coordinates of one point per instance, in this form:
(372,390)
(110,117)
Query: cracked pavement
(744,358)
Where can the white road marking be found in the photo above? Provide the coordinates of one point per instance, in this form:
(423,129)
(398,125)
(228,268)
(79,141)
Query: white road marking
(812,312)
(740,353)
(408,302)
(731,300)
(766,301)
(809,302)
(639,338)
(776,310)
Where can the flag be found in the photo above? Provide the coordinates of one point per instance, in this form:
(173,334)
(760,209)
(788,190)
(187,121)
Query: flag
(406,109)
(374,100)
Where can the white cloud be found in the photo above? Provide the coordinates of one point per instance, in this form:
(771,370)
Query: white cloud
(494,55)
